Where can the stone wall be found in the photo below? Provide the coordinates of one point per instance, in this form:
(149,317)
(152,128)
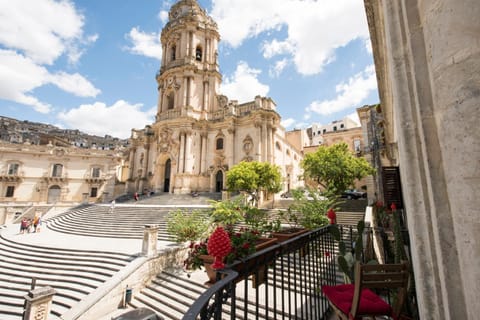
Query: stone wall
(427,57)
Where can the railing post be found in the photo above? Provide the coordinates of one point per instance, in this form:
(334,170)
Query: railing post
(38,303)
(150,239)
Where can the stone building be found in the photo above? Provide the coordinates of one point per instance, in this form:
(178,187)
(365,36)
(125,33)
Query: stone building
(427,59)
(199,134)
(336,128)
(32,174)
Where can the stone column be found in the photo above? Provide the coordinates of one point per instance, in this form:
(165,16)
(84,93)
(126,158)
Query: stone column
(258,147)
(205,96)
(38,303)
(204,153)
(187,166)
(150,239)
(264,141)
(427,60)
(231,144)
(181,160)
(131,163)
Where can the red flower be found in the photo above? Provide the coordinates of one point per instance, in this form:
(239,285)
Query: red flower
(393,206)
(327,253)
(379,204)
(246,245)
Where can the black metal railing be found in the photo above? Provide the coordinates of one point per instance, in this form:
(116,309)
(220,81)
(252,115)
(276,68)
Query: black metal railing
(280,282)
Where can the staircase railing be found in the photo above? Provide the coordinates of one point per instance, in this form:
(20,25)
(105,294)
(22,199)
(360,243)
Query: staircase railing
(281,282)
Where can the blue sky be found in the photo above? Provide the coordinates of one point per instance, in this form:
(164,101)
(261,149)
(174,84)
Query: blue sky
(91,65)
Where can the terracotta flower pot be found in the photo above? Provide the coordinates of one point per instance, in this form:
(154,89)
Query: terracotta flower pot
(207,263)
(285,234)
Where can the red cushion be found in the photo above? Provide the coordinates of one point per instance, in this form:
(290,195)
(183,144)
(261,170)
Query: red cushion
(370,303)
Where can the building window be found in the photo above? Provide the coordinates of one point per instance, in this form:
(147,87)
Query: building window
(279,147)
(219,144)
(170,100)
(342,126)
(173,53)
(335,128)
(318,132)
(93,192)
(95,172)
(198,54)
(10,191)
(13,169)
(57,170)
(324,130)
(356,145)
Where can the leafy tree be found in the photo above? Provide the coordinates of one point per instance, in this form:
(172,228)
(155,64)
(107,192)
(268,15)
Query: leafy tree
(335,168)
(254,177)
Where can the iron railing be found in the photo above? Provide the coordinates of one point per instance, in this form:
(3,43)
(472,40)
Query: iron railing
(280,282)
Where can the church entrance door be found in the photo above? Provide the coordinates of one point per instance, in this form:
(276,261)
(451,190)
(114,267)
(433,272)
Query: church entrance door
(166,182)
(219,181)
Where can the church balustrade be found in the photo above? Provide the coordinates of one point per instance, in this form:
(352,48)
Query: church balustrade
(246,108)
(169,114)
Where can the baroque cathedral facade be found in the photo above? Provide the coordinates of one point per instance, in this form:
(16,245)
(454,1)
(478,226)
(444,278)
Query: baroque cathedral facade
(198,134)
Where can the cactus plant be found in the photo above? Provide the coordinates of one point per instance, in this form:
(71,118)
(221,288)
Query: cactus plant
(346,260)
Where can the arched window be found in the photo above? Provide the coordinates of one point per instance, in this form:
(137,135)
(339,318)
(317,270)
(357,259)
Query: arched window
(170,101)
(173,53)
(278,146)
(219,144)
(198,54)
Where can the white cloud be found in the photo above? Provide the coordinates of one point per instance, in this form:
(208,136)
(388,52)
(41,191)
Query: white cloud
(277,69)
(34,34)
(349,94)
(163,16)
(97,118)
(368,45)
(42,29)
(244,85)
(287,123)
(21,75)
(74,83)
(354,116)
(146,44)
(315,28)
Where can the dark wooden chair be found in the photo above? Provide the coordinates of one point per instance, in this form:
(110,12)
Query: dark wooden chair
(355,301)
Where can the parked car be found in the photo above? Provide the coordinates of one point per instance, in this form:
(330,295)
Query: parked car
(286,194)
(139,314)
(354,194)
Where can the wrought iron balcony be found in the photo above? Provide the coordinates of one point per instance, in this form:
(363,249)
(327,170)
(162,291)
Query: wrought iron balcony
(286,280)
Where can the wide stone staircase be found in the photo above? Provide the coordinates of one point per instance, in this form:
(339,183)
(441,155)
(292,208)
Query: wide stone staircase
(125,222)
(74,274)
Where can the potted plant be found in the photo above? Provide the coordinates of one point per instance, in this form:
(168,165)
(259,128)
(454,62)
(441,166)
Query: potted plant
(307,212)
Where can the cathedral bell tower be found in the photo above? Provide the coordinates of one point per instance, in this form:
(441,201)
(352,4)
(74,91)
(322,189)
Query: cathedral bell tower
(189,75)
